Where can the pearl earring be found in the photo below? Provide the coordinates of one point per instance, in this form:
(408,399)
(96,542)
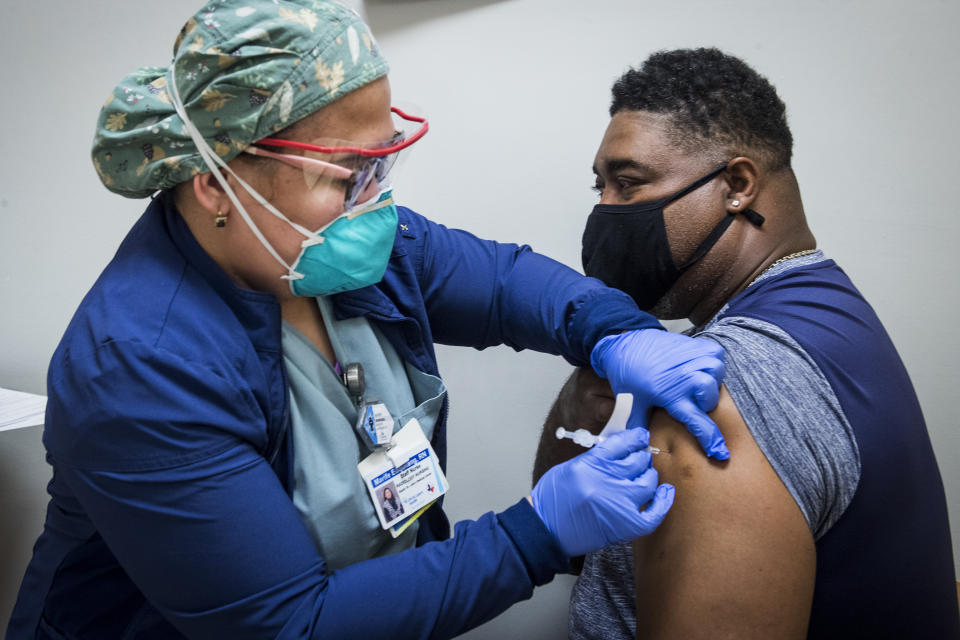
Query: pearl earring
(735,203)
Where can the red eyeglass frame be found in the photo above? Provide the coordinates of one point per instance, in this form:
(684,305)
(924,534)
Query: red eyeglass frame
(360,151)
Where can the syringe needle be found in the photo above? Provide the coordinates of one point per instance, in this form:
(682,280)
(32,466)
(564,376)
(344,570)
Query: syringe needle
(586,439)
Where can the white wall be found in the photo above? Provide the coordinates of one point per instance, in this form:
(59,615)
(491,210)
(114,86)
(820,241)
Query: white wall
(517,91)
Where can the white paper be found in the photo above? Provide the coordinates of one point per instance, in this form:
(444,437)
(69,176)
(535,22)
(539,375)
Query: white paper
(19,409)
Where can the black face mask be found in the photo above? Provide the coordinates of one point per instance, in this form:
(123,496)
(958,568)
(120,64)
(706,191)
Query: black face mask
(625,245)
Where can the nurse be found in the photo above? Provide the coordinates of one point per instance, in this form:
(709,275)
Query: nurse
(253,377)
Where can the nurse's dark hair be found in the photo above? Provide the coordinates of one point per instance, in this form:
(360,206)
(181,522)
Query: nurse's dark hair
(715,102)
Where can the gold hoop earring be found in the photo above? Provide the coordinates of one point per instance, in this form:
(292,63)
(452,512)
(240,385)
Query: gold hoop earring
(221,220)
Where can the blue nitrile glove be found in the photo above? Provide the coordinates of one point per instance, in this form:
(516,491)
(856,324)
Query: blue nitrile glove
(669,370)
(594,499)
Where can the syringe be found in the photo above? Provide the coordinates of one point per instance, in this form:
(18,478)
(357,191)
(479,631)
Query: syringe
(618,422)
(586,439)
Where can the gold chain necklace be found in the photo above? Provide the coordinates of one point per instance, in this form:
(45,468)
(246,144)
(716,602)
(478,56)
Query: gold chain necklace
(797,254)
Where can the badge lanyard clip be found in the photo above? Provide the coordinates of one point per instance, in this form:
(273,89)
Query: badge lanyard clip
(354,381)
(374,422)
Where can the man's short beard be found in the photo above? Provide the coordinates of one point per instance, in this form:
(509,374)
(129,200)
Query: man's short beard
(671,305)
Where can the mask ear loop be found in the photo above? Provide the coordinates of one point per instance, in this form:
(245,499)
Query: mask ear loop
(212,160)
(708,242)
(718,230)
(696,184)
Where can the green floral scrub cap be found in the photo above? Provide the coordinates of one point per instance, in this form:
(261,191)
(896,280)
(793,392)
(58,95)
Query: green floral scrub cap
(244,70)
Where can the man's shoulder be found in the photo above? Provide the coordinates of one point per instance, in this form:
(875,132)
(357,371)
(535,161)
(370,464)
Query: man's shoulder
(794,415)
(807,298)
(813,305)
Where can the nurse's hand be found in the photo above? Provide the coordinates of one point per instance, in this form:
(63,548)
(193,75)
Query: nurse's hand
(595,499)
(669,370)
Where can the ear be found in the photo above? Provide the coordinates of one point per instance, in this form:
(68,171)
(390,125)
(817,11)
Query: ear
(742,184)
(210,194)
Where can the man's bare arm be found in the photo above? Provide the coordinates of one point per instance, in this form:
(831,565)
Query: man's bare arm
(734,557)
(585,401)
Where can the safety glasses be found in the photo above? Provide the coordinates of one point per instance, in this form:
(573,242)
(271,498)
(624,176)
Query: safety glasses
(340,164)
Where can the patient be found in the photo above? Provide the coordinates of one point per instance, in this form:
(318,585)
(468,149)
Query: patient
(829,520)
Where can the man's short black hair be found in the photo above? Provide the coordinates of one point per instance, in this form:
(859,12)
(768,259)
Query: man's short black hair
(712,99)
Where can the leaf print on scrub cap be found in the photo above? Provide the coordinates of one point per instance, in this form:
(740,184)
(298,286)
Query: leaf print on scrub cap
(244,70)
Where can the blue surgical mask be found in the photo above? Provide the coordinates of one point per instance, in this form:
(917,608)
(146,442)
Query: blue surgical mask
(351,252)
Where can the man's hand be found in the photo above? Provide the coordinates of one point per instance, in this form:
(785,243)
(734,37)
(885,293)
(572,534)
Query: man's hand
(669,370)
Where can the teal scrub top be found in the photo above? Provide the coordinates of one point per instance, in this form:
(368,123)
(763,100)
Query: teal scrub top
(328,492)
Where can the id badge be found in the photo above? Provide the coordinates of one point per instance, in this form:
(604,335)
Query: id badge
(403,480)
